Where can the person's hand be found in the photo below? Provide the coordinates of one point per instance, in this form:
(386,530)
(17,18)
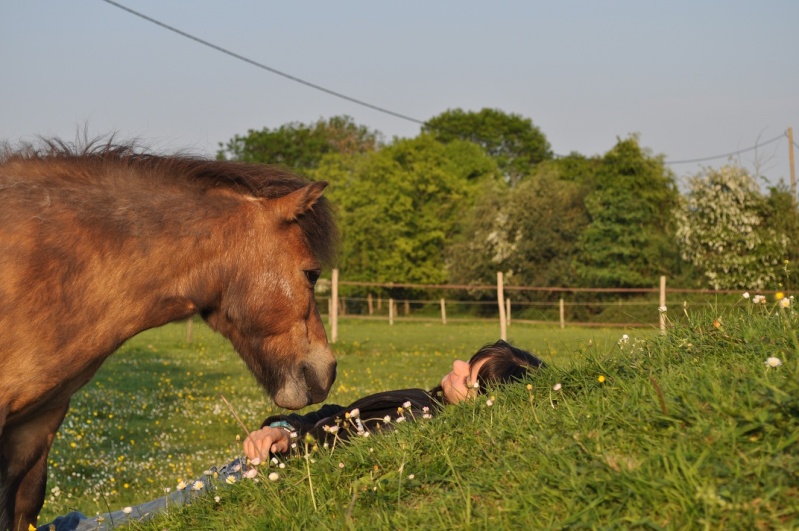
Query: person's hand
(260,443)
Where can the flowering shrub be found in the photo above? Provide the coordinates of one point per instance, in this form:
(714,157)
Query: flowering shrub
(720,231)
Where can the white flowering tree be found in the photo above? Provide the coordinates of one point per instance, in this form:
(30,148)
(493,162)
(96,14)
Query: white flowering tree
(721,232)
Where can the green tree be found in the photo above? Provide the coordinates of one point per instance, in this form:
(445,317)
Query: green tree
(629,241)
(721,230)
(400,206)
(577,168)
(529,232)
(510,139)
(299,146)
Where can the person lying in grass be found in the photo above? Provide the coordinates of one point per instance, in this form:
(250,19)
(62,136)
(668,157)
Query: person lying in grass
(496,363)
(493,364)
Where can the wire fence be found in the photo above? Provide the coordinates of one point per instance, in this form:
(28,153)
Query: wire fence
(557,306)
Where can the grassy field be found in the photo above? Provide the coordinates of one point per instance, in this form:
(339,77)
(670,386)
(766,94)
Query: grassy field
(153,415)
(689,430)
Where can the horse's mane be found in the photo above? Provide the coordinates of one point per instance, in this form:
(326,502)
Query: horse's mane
(97,157)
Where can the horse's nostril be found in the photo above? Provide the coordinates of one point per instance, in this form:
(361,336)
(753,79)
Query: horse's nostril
(317,385)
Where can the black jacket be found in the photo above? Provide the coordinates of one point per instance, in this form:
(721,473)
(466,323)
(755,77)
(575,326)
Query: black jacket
(332,421)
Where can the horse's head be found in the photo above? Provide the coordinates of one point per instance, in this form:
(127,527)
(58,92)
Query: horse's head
(268,310)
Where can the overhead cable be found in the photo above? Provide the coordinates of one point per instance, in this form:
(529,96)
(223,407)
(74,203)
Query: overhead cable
(263,66)
(366,104)
(726,155)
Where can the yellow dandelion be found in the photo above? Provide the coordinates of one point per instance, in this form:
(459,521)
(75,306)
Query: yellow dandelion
(779,296)
(601,378)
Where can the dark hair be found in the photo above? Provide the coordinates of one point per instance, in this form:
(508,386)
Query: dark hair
(504,364)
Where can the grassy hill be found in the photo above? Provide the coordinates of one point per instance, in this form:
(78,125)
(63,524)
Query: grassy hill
(689,430)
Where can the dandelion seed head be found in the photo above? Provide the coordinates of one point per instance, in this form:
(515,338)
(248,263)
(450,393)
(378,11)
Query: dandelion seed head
(773,362)
(745,295)
(127,510)
(274,476)
(557,387)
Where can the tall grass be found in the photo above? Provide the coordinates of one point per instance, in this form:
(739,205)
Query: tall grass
(688,430)
(691,430)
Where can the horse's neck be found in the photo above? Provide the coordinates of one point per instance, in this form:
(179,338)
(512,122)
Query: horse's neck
(155,271)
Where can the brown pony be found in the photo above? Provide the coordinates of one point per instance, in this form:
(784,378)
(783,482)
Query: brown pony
(101,242)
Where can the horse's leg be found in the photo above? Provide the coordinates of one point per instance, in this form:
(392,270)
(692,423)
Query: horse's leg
(6,510)
(25,450)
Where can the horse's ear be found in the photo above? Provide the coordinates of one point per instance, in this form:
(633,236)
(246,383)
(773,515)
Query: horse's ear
(298,202)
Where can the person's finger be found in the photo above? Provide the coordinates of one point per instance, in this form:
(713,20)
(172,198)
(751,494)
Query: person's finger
(263,449)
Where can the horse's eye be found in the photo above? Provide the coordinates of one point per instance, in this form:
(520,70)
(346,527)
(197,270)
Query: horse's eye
(313,275)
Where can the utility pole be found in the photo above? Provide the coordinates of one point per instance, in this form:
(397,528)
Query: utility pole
(793,168)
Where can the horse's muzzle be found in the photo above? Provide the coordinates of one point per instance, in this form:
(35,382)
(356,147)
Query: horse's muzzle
(310,385)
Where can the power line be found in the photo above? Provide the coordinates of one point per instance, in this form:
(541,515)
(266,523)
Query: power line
(364,103)
(703,159)
(263,66)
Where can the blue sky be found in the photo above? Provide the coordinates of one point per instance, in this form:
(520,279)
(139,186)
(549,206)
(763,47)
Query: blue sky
(694,78)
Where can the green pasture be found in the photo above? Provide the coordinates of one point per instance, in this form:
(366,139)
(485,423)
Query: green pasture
(153,415)
(688,430)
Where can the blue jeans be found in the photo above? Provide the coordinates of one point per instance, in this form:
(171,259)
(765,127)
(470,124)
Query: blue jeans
(76,521)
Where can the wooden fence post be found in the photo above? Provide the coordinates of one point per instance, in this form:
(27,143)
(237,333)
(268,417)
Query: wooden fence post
(662,305)
(503,326)
(369,302)
(507,310)
(562,314)
(407,308)
(334,307)
(390,311)
(443,312)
